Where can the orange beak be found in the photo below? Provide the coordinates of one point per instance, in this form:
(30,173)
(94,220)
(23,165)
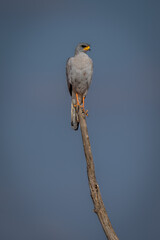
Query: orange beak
(86,48)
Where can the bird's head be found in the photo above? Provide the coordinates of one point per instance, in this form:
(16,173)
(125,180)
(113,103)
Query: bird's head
(82,47)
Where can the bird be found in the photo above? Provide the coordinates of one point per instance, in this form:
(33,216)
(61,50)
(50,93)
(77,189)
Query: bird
(79,71)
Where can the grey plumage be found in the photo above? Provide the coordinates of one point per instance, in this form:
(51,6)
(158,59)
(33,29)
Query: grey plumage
(79,71)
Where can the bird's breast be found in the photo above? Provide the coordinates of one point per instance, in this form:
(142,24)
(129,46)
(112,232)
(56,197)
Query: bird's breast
(81,73)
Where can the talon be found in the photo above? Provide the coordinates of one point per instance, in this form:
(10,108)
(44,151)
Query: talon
(86,113)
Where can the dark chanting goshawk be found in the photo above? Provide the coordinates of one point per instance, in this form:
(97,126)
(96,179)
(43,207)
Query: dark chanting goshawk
(79,71)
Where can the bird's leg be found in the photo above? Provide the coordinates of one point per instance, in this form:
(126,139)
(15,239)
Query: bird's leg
(77,101)
(78,104)
(85,112)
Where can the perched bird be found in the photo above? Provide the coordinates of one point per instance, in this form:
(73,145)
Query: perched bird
(79,71)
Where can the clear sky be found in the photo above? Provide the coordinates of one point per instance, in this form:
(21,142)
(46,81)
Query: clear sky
(44,191)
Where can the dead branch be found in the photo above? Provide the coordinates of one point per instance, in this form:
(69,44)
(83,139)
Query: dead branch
(99,207)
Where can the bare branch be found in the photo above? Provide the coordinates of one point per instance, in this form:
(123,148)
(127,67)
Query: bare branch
(99,207)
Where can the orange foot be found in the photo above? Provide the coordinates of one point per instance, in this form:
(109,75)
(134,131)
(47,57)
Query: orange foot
(81,106)
(85,112)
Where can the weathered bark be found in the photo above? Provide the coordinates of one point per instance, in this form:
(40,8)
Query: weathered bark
(99,207)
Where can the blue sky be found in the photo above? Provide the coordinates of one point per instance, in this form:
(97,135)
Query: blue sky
(44,188)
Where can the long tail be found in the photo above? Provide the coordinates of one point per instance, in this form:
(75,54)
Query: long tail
(74,117)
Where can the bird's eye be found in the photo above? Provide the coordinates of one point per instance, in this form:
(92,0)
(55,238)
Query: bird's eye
(83,46)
